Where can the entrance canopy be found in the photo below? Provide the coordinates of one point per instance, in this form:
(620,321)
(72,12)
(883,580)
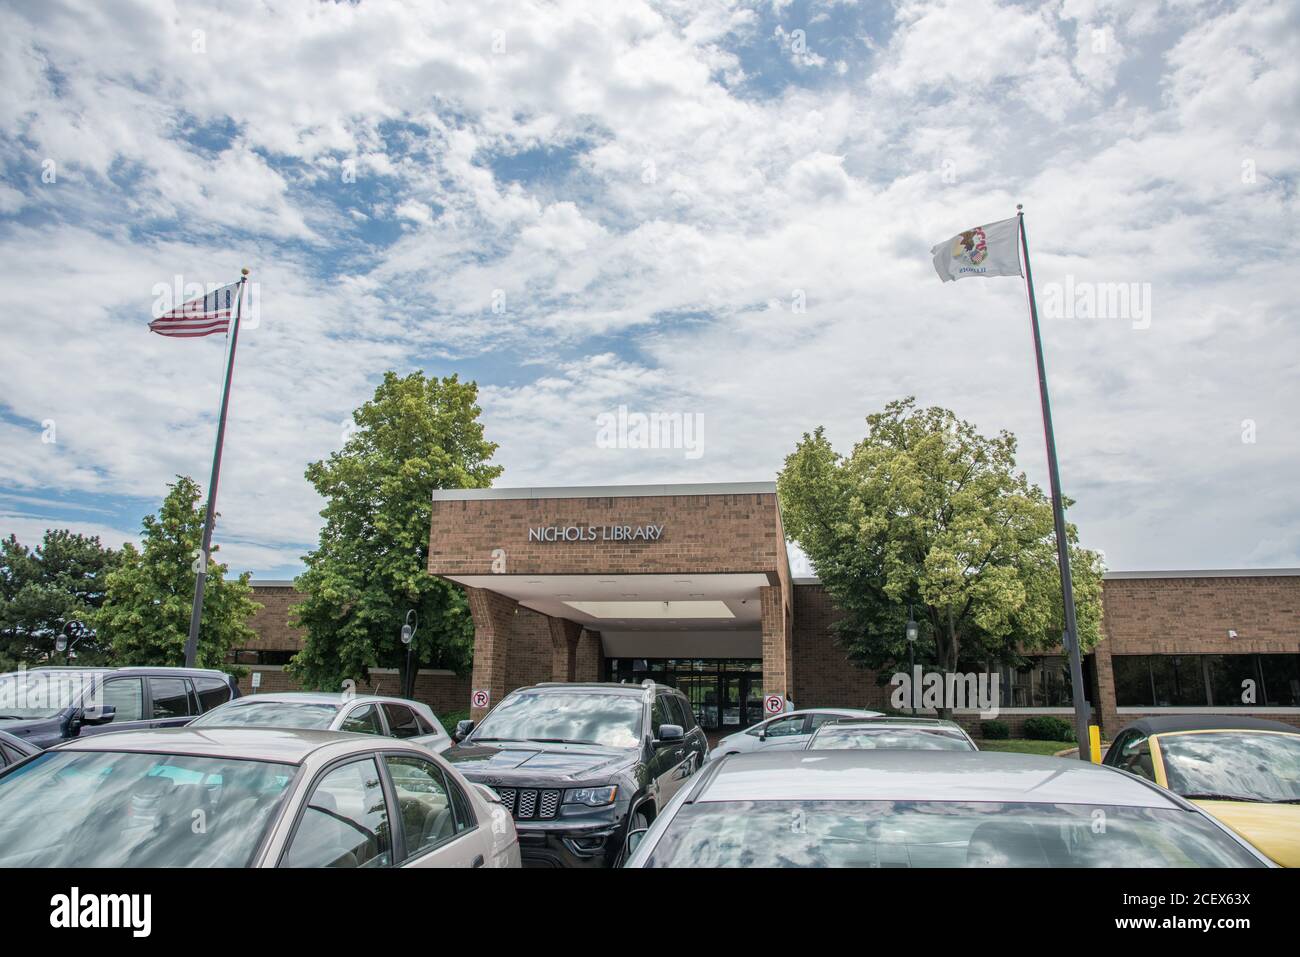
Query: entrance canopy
(649,616)
(644,571)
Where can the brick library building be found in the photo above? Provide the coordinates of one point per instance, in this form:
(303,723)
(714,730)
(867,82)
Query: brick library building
(690,585)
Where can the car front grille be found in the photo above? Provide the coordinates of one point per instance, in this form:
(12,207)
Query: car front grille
(530,804)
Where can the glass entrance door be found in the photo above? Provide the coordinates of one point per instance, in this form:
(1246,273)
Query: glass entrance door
(726,694)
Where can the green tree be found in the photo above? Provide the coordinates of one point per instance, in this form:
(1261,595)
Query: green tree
(415,435)
(145,617)
(42,588)
(927,511)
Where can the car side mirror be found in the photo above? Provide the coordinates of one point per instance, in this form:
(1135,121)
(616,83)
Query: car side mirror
(669,734)
(102,715)
(463,728)
(633,841)
(762,735)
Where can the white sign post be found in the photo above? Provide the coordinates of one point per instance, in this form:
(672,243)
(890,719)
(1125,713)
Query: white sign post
(256,680)
(479,698)
(773,704)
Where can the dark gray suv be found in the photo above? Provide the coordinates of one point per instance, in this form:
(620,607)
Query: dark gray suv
(578,765)
(44,706)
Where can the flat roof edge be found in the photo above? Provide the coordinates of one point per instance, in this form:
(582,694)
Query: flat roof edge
(1210,573)
(1188,573)
(604,491)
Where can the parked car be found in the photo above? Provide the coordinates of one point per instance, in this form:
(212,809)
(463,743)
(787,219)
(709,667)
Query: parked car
(364,714)
(785,732)
(1244,771)
(579,765)
(247,797)
(886,808)
(44,706)
(13,750)
(915,734)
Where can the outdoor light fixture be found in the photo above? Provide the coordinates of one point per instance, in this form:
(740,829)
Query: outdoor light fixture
(61,643)
(408,636)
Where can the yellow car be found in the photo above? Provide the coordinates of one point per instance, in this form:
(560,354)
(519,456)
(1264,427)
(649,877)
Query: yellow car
(1244,771)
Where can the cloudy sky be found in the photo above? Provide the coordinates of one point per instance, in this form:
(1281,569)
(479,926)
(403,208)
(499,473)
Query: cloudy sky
(714,207)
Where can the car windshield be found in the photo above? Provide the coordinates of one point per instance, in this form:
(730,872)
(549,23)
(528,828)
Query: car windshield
(940,834)
(118,809)
(30,695)
(611,720)
(1230,764)
(270,714)
(911,739)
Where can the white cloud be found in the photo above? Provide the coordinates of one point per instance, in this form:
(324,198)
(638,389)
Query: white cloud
(674,291)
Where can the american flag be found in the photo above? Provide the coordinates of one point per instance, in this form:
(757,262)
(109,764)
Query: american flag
(199,317)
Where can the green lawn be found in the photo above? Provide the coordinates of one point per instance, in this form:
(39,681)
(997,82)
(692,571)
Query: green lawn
(1020,746)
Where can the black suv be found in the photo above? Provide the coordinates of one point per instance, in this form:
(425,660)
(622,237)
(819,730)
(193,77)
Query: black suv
(578,765)
(44,706)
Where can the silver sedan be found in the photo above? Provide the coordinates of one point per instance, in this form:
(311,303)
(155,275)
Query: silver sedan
(244,797)
(885,808)
(328,711)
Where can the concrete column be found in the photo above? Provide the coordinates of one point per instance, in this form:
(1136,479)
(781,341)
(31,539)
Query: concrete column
(493,615)
(564,649)
(778,673)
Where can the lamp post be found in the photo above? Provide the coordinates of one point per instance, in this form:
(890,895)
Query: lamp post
(61,643)
(408,636)
(913,631)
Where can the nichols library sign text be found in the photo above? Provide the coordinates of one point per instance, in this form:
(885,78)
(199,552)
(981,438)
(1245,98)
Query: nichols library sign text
(595,533)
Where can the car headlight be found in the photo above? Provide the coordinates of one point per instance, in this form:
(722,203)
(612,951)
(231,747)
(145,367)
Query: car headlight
(592,797)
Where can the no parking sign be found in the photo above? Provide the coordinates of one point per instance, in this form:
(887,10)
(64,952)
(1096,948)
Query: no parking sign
(479,698)
(774,704)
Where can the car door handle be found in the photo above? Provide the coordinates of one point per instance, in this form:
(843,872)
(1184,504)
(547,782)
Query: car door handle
(477,862)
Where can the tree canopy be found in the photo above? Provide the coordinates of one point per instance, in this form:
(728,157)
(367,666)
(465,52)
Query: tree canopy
(145,617)
(415,435)
(43,588)
(927,511)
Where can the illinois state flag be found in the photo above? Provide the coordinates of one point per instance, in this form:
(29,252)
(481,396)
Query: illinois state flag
(982,251)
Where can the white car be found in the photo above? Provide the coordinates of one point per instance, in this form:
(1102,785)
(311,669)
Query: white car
(785,732)
(322,711)
(247,797)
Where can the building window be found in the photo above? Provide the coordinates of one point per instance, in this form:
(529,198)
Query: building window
(1281,679)
(1197,681)
(1179,680)
(1040,681)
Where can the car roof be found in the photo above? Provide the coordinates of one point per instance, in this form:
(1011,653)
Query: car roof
(1165,724)
(892,721)
(337,698)
(889,775)
(281,745)
(596,686)
(851,712)
(125,670)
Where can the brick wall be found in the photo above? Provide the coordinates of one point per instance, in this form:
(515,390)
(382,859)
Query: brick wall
(702,533)
(1145,616)
(271,621)
(1141,616)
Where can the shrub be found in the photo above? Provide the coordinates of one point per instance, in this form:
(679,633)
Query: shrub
(1046,728)
(995,730)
